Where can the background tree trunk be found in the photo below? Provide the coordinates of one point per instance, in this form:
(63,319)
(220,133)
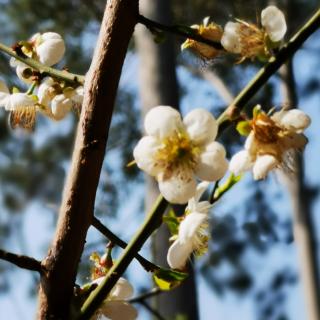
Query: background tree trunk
(158,86)
(301,198)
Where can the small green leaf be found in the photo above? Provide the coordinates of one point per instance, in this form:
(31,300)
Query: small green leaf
(232,180)
(167,279)
(172,222)
(244,128)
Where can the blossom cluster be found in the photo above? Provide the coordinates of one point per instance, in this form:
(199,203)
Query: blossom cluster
(180,153)
(242,38)
(53,98)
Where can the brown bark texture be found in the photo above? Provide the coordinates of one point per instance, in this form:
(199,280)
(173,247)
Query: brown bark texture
(77,206)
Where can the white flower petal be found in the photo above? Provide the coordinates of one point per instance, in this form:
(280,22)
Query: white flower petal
(51,48)
(4,94)
(251,143)
(201,188)
(118,310)
(20,71)
(162,121)
(178,254)
(212,164)
(274,22)
(231,37)
(60,106)
(201,125)
(122,290)
(240,162)
(144,154)
(179,188)
(263,165)
(18,101)
(45,92)
(294,120)
(190,225)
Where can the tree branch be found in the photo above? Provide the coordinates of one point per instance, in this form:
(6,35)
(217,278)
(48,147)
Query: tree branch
(21,261)
(181,31)
(154,217)
(152,222)
(75,217)
(45,70)
(153,292)
(146,264)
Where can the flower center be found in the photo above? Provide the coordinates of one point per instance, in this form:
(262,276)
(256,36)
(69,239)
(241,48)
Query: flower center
(252,40)
(177,151)
(265,129)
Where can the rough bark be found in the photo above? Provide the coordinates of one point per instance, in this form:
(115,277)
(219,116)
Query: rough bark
(75,214)
(158,86)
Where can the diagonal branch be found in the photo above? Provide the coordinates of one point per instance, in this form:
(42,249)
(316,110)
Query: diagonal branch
(21,261)
(45,70)
(146,264)
(185,32)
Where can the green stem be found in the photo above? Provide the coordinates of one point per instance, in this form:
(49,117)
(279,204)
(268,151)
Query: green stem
(45,70)
(184,32)
(286,52)
(153,219)
(151,223)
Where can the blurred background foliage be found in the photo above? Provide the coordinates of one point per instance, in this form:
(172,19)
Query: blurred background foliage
(33,167)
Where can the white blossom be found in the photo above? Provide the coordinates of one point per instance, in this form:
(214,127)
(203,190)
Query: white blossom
(22,107)
(49,47)
(249,40)
(115,307)
(175,152)
(192,236)
(271,142)
(21,69)
(57,102)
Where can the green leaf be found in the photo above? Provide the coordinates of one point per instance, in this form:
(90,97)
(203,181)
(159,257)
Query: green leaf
(172,222)
(167,279)
(232,180)
(243,127)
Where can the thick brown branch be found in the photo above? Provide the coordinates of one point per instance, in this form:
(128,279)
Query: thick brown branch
(21,261)
(146,264)
(75,215)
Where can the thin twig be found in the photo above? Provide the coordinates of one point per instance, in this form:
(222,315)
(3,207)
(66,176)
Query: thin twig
(186,32)
(146,264)
(45,70)
(153,292)
(21,261)
(151,223)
